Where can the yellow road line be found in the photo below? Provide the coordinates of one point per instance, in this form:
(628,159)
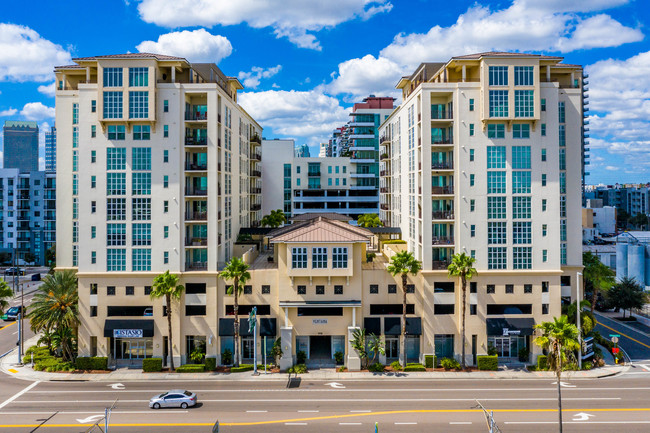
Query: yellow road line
(11,370)
(624,335)
(281,421)
(6,326)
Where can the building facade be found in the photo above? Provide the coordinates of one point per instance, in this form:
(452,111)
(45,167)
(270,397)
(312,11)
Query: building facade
(21,145)
(158,168)
(50,149)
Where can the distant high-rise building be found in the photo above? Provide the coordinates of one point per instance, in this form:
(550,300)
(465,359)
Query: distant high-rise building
(21,145)
(322,152)
(302,151)
(50,149)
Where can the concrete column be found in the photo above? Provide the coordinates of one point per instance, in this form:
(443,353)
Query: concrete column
(173,74)
(548,74)
(354,317)
(286,338)
(286,317)
(353,362)
(464,73)
(87,74)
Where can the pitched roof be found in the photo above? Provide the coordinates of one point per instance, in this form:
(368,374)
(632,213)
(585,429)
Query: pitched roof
(328,215)
(131,56)
(320,230)
(502,54)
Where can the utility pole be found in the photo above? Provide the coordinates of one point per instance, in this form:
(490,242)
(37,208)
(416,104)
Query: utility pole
(252,327)
(578,275)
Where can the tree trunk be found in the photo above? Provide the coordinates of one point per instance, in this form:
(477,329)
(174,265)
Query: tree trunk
(558,368)
(462,321)
(169,330)
(402,346)
(594,296)
(235,288)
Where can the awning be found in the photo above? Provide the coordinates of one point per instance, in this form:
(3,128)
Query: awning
(413,326)
(510,326)
(227,327)
(392,326)
(284,304)
(268,328)
(146,326)
(372,325)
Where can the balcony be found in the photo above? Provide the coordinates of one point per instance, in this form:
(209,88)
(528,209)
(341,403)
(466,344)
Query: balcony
(196,242)
(382,173)
(442,141)
(196,216)
(190,166)
(443,215)
(256,139)
(383,190)
(256,156)
(384,206)
(442,240)
(447,165)
(256,173)
(194,191)
(196,141)
(313,174)
(256,190)
(384,138)
(384,157)
(196,116)
(442,190)
(439,265)
(196,266)
(256,207)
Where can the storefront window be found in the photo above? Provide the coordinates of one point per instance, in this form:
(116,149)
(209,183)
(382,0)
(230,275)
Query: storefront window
(444,344)
(507,346)
(392,347)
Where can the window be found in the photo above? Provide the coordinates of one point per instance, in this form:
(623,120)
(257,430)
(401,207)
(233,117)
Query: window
(116,132)
(522,257)
(498,103)
(141,209)
(166,257)
(165,232)
(520,130)
(165,106)
(497,258)
(112,77)
(93,106)
(521,207)
(138,105)
(195,310)
(561,114)
(93,156)
(544,308)
(93,288)
(496,182)
(543,154)
(141,234)
(299,258)
(329,181)
(130,291)
(490,289)
(319,258)
(93,257)
(248,290)
(93,232)
(510,289)
(524,103)
(472,230)
(116,209)
(165,181)
(521,232)
(443,309)
(138,77)
(112,105)
(471,179)
(471,154)
(562,135)
(392,288)
(339,257)
(543,183)
(506,309)
(115,234)
(115,260)
(472,310)
(141,132)
(496,207)
(165,156)
(374,289)
(543,104)
(562,159)
(543,205)
(93,131)
(110,291)
(93,181)
(496,130)
(141,158)
(498,75)
(93,206)
(302,290)
(544,256)
(443,287)
(116,158)
(521,182)
(543,129)
(497,232)
(115,183)
(524,76)
(338,290)
(521,156)
(473,287)
(266,289)
(147,290)
(166,206)
(472,205)
(471,129)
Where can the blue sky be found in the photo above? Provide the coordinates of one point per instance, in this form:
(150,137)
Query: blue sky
(304,63)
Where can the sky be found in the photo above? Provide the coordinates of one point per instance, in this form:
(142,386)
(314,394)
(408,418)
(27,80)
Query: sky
(305,62)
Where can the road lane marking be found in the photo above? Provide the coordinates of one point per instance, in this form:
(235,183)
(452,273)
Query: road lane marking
(624,335)
(349,423)
(460,422)
(308,411)
(289,423)
(577,422)
(15,396)
(12,370)
(405,423)
(360,411)
(6,326)
(257,411)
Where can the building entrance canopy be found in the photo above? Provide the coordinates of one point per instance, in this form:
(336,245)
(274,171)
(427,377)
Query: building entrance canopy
(510,326)
(128,328)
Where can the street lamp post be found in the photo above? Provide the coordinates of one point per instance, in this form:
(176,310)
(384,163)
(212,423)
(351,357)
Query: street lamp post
(579,274)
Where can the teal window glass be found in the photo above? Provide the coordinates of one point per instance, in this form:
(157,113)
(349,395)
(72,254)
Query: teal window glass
(497,257)
(498,103)
(138,77)
(521,157)
(471,129)
(112,77)
(115,260)
(141,132)
(116,132)
(496,182)
(524,76)
(497,232)
(498,75)
(521,232)
(521,182)
(141,209)
(112,105)
(562,159)
(521,207)
(115,234)
(141,183)
(138,105)
(520,131)
(524,103)
(561,113)
(141,259)
(116,158)
(141,158)
(115,183)
(496,157)
(522,258)
(496,130)
(543,129)
(141,234)
(471,104)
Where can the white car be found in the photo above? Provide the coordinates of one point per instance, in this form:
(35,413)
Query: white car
(174,398)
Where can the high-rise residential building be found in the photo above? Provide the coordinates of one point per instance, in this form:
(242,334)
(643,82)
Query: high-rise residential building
(484,156)
(322,150)
(158,168)
(302,151)
(21,145)
(27,214)
(50,149)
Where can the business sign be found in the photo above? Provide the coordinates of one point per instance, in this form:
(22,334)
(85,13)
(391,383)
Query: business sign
(127,333)
(319,321)
(507,331)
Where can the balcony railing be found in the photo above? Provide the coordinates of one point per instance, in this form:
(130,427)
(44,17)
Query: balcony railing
(256,173)
(442,190)
(255,207)
(196,141)
(442,165)
(442,240)
(382,173)
(313,174)
(195,191)
(196,116)
(443,140)
(384,206)
(443,215)
(256,156)
(383,190)
(439,265)
(189,166)
(196,266)
(256,190)
(196,242)
(256,139)
(196,216)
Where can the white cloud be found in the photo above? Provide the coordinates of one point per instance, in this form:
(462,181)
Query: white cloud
(48,89)
(252,79)
(8,112)
(293,113)
(599,31)
(289,18)
(26,56)
(196,46)
(612,168)
(367,75)
(37,111)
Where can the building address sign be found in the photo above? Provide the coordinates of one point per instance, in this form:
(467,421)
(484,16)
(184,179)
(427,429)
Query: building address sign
(319,321)
(127,333)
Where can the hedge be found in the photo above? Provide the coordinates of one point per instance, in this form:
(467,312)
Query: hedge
(53,364)
(430,361)
(210,364)
(394,241)
(150,365)
(191,368)
(92,363)
(487,362)
(241,368)
(542,363)
(414,366)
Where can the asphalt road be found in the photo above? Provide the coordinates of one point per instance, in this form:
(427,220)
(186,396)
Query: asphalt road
(9,330)
(635,343)
(595,405)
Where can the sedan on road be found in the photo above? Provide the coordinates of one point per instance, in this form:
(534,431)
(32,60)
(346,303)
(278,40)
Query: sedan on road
(12,313)
(174,398)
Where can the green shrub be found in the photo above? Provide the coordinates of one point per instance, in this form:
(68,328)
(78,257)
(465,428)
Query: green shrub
(415,366)
(489,363)
(301,357)
(531,367)
(542,363)
(191,368)
(587,366)
(261,366)
(492,351)
(92,363)
(396,366)
(37,350)
(226,357)
(241,368)
(377,367)
(297,369)
(450,364)
(338,356)
(570,366)
(394,241)
(53,364)
(341,369)
(210,364)
(523,354)
(150,365)
(430,361)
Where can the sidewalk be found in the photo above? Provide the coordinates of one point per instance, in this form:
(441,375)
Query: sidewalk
(8,366)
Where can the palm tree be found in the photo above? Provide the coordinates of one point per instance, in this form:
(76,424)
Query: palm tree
(55,308)
(166,285)
(369,220)
(6,294)
(597,276)
(237,271)
(558,338)
(274,220)
(462,266)
(403,263)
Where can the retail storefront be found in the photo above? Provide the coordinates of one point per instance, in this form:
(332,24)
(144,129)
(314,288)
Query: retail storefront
(130,341)
(511,337)
(267,333)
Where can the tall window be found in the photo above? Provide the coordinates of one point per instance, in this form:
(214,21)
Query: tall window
(498,103)
(141,259)
(521,207)
(562,135)
(112,77)
(497,258)
(115,234)
(520,131)
(319,258)
(496,182)
(521,182)
(138,77)
(115,259)
(141,158)
(562,159)
(138,105)
(141,183)
(116,158)
(521,157)
(340,257)
(496,207)
(498,75)
(496,156)
(299,258)
(115,183)
(524,103)
(561,113)
(523,76)
(497,232)
(141,209)
(75,114)
(521,232)
(497,130)
(141,132)
(112,105)
(522,258)
(116,209)
(141,234)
